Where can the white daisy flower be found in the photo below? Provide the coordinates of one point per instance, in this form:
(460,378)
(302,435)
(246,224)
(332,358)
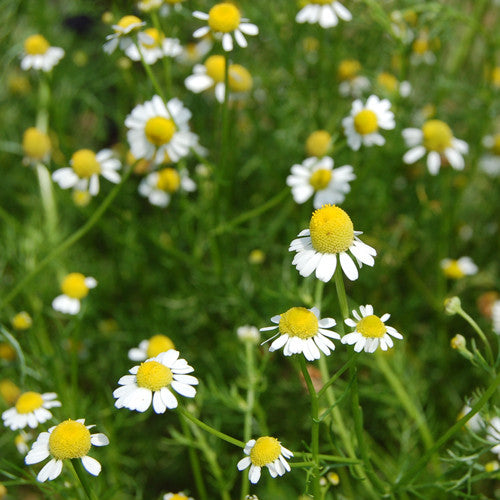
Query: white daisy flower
(176,496)
(22,442)
(493,434)
(475,423)
(170,6)
(330,236)
(495,316)
(388,83)
(456,269)
(490,162)
(435,139)
(149,5)
(31,409)
(351,84)
(370,331)
(224,20)
(70,439)
(38,54)
(302,331)
(153,381)
(195,51)
(85,168)
(421,50)
(364,122)
(160,132)
(323,12)
(159,186)
(74,287)
(123,30)
(318,177)
(265,451)
(155,48)
(248,333)
(151,347)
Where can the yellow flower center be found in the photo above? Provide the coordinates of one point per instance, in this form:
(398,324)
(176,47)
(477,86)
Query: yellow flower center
(70,439)
(371,326)
(216,66)
(22,321)
(157,37)
(7,352)
(169,180)
(127,21)
(420,46)
(320,179)
(224,17)
(179,496)
(153,375)
(85,164)
(388,81)
(299,322)
(158,344)
(453,270)
(348,69)
(240,79)
(265,451)
(365,122)
(28,402)
(495,149)
(495,76)
(36,144)
(81,198)
(321,2)
(9,391)
(159,130)
(437,135)
(331,230)
(318,143)
(74,286)
(36,45)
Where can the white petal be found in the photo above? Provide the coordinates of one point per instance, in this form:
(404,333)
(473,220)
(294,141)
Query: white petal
(243,463)
(50,470)
(348,266)
(92,466)
(414,154)
(254,474)
(99,439)
(433,162)
(158,404)
(185,390)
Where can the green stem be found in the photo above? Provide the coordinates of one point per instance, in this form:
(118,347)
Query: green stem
(413,473)
(48,201)
(480,332)
(195,463)
(314,429)
(209,429)
(152,77)
(339,372)
(341,295)
(328,458)
(84,487)
(67,243)
(165,59)
(225,119)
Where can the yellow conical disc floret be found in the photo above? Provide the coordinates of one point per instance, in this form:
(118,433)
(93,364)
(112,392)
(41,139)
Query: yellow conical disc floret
(298,322)
(127,21)
(36,45)
(224,17)
(159,130)
(28,402)
(318,143)
(348,69)
(265,451)
(240,79)
(215,66)
(437,135)
(169,180)
(331,230)
(153,375)
(70,439)
(453,270)
(36,144)
(85,164)
(388,81)
(21,321)
(157,37)
(371,326)
(320,179)
(158,344)
(74,286)
(365,122)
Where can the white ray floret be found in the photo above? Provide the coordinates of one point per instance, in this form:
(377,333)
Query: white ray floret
(30,410)
(326,13)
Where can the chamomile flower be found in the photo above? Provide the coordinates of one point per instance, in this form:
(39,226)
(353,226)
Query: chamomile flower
(475,423)
(153,381)
(38,54)
(302,331)
(323,12)
(151,347)
(176,496)
(155,48)
(149,5)
(122,35)
(157,130)
(370,331)
(85,169)
(31,409)
(21,441)
(318,177)
(267,452)
(389,84)
(225,21)
(74,287)
(363,124)
(70,439)
(435,139)
(351,83)
(330,238)
(159,186)
(248,333)
(36,146)
(490,162)
(493,434)
(21,321)
(318,143)
(456,269)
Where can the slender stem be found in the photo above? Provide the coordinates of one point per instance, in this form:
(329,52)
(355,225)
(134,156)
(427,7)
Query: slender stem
(152,77)
(88,493)
(480,332)
(337,374)
(413,473)
(68,242)
(165,59)
(341,295)
(328,458)
(209,429)
(195,463)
